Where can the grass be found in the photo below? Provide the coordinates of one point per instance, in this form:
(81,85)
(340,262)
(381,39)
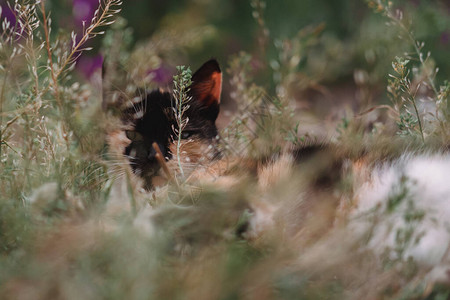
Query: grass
(70,228)
(181,85)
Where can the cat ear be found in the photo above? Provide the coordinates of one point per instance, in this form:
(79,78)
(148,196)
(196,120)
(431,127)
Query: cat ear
(207,85)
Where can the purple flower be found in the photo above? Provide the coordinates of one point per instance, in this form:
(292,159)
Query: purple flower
(7,13)
(83,10)
(89,65)
(162,75)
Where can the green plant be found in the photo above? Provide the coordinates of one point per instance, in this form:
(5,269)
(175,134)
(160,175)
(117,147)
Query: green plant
(46,130)
(181,83)
(410,84)
(402,95)
(57,236)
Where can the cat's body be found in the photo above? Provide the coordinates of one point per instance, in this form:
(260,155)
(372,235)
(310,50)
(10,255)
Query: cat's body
(403,211)
(400,206)
(289,208)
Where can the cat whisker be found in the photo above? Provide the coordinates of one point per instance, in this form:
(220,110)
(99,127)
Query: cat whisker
(129,157)
(121,164)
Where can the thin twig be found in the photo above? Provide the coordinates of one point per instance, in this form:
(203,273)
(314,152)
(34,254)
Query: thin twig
(49,54)
(416,48)
(377,107)
(52,71)
(89,32)
(160,158)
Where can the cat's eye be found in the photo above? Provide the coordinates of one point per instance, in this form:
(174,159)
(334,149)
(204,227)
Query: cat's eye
(186,134)
(134,136)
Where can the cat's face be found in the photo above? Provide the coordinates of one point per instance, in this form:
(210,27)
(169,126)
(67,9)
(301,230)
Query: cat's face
(154,120)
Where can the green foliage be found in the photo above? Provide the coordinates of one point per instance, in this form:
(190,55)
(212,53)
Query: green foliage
(409,84)
(50,142)
(296,74)
(181,86)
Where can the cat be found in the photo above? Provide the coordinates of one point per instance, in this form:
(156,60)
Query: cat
(151,120)
(409,186)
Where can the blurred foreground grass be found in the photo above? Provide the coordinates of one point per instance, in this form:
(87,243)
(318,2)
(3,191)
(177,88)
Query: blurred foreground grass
(73,226)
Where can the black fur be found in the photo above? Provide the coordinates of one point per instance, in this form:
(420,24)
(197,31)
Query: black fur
(153,120)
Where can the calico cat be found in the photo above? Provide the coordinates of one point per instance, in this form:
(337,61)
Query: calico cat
(402,194)
(152,121)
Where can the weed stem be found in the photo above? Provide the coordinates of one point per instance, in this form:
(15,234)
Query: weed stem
(160,158)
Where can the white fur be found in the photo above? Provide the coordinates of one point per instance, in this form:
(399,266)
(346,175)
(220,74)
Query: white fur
(427,182)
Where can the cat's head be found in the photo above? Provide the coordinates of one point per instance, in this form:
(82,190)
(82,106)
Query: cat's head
(153,119)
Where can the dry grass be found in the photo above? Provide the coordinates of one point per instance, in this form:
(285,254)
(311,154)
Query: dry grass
(76,224)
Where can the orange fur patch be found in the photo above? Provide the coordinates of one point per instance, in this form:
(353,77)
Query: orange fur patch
(193,153)
(117,140)
(209,91)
